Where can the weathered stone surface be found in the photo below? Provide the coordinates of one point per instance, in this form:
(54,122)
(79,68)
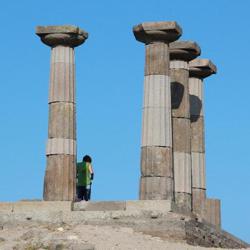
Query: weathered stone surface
(197,134)
(156,90)
(62,118)
(196,96)
(183,203)
(181,135)
(157,31)
(62,76)
(199,201)
(155,218)
(70,29)
(178,64)
(6,207)
(100,206)
(156,188)
(41,206)
(63,54)
(182,172)
(156,161)
(202,234)
(198,170)
(61,35)
(68,245)
(180,93)
(156,128)
(157,62)
(59,182)
(163,206)
(213,212)
(61,146)
(184,50)
(201,68)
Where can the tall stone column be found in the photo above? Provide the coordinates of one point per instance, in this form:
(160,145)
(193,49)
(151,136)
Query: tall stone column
(59,182)
(181,52)
(156,181)
(198,70)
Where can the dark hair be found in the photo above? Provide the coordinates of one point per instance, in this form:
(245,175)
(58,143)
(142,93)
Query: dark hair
(87,158)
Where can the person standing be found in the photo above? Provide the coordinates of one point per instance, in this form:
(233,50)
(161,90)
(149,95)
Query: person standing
(85,176)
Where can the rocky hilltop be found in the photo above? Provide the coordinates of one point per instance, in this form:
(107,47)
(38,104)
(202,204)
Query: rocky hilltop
(107,225)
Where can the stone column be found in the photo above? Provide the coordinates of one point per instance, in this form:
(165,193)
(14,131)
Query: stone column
(198,70)
(156,181)
(181,52)
(59,182)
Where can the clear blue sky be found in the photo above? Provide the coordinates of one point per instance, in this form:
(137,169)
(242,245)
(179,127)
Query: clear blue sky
(109,69)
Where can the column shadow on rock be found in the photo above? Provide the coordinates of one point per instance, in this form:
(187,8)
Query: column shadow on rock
(177,93)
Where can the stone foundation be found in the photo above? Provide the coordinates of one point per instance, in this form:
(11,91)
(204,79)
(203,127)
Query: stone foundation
(153,217)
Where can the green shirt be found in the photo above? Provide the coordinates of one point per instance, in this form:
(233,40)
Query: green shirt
(83,174)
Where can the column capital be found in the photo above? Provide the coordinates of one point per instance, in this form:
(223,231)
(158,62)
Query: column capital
(150,32)
(66,35)
(184,50)
(201,68)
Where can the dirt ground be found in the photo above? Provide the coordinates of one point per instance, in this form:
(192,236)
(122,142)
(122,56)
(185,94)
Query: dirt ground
(81,237)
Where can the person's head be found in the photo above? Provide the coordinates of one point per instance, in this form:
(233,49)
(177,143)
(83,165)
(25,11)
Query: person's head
(87,158)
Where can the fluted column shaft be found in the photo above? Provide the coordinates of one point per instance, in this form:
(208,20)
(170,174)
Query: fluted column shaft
(198,70)
(156,182)
(197,144)
(60,175)
(61,146)
(156,149)
(181,134)
(181,52)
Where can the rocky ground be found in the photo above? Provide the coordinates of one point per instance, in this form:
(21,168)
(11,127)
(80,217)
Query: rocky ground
(81,237)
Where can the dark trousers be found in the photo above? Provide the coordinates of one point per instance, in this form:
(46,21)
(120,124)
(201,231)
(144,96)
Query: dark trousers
(83,193)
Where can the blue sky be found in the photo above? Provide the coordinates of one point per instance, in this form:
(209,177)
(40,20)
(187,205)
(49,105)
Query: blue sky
(109,70)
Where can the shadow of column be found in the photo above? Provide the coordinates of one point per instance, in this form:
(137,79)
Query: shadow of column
(177,92)
(195,107)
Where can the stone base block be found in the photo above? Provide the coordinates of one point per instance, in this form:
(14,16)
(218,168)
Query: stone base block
(100,206)
(124,206)
(40,211)
(213,212)
(156,188)
(199,201)
(156,161)
(149,205)
(43,206)
(34,206)
(59,182)
(182,203)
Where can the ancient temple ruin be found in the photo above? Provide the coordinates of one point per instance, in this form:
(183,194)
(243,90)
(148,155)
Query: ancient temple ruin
(173,204)
(172,143)
(173,148)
